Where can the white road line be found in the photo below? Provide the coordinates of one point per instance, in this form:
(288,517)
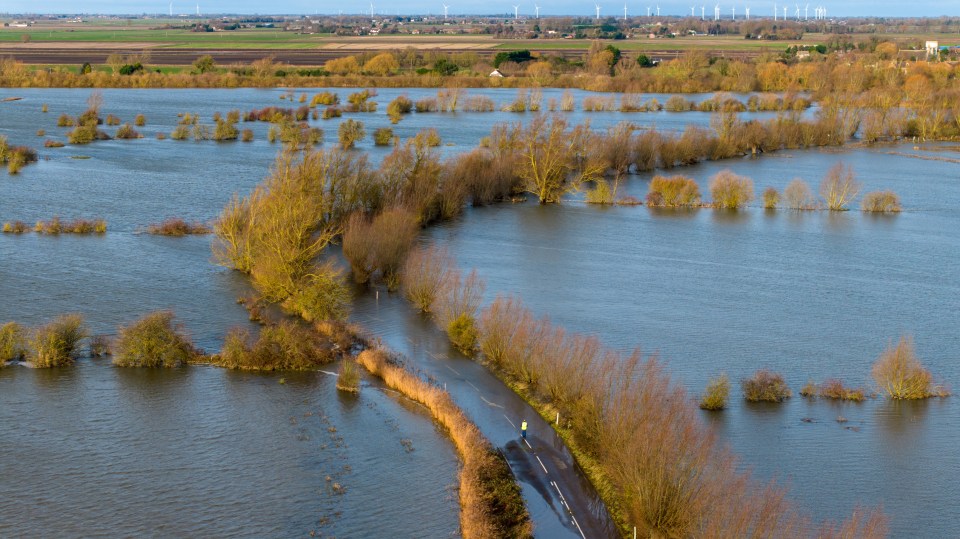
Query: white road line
(528,443)
(578,526)
(490,403)
(452,369)
(328,372)
(562,499)
(473,386)
(541,464)
(508,420)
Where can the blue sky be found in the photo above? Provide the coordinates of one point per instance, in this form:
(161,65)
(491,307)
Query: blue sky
(891,8)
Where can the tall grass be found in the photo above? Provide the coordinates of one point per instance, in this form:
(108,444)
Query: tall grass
(491,504)
(154,340)
(348,379)
(56,343)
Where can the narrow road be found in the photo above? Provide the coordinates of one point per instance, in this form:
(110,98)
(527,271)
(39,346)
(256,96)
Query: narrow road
(561,500)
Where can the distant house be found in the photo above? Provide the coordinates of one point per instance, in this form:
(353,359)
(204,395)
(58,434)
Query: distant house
(933,48)
(496,73)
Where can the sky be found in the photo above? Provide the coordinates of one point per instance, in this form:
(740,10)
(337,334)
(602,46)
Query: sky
(840,8)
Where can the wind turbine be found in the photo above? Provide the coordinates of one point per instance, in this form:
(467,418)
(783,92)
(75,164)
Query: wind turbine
(516,13)
(806,16)
(748,13)
(171,9)
(624,12)
(648,11)
(733,13)
(445,8)
(703,10)
(716,12)
(598,10)
(658,10)
(536,9)
(784,12)
(797,12)
(774,12)
(692,8)
(371,10)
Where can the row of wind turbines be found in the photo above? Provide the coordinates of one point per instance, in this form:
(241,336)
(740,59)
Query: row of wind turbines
(819,12)
(171,9)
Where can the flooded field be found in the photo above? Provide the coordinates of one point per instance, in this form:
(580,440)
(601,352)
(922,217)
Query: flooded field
(203,451)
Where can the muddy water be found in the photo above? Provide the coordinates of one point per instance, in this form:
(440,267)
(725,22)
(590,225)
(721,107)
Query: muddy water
(204,451)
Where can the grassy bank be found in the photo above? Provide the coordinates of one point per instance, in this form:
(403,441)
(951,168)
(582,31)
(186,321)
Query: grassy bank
(490,500)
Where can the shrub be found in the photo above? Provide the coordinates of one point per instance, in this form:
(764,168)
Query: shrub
(65,120)
(246,135)
(424,273)
(730,191)
(676,191)
(900,375)
(55,344)
(383,136)
(834,389)
(398,107)
(463,333)
(112,120)
(324,98)
(771,197)
(332,112)
(798,196)
(348,379)
(839,187)
(715,395)
(457,303)
(380,244)
(12,343)
(225,131)
(350,132)
(765,386)
(881,202)
(181,132)
(41,132)
(126,131)
(85,134)
(600,194)
(140,120)
(176,226)
(16,227)
(320,295)
(287,345)
(431,137)
(153,341)
(49,143)
(99,346)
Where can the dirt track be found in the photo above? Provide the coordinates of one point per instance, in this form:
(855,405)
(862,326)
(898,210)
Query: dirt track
(296,57)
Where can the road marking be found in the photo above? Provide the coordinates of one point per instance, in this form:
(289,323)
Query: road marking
(508,420)
(528,443)
(473,386)
(452,369)
(541,464)
(490,403)
(562,499)
(328,372)
(578,526)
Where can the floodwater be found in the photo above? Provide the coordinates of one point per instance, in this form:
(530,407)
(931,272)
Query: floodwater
(204,451)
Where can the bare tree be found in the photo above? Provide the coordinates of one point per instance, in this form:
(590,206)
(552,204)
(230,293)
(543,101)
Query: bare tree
(839,187)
